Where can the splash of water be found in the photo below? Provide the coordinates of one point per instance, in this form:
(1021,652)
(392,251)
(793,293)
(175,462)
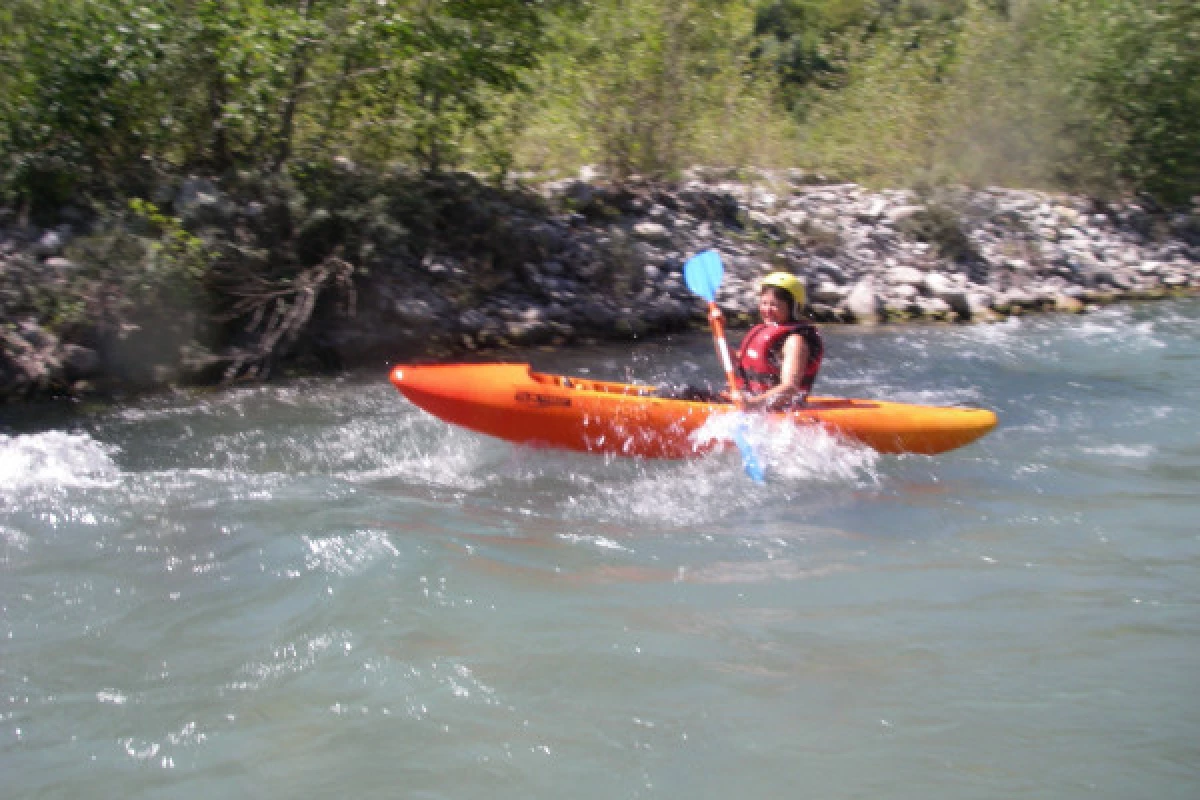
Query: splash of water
(55,459)
(794,451)
(803,462)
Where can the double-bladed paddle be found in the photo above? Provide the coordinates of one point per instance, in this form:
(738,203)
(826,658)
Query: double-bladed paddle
(703,273)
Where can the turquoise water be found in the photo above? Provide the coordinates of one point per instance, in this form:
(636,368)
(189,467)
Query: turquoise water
(316,589)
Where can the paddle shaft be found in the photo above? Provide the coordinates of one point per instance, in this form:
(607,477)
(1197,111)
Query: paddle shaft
(717,321)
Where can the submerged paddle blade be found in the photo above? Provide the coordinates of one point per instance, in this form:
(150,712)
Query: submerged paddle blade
(750,462)
(703,273)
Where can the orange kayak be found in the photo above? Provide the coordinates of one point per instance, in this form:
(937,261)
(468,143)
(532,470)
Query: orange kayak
(512,402)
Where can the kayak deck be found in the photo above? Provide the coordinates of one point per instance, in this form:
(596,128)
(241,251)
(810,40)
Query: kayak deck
(511,401)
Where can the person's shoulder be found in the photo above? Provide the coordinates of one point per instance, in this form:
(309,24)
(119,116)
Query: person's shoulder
(795,339)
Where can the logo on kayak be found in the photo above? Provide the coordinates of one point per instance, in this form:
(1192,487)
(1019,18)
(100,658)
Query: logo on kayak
(543,400)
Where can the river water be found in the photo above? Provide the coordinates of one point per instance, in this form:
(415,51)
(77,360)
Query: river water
(315,589)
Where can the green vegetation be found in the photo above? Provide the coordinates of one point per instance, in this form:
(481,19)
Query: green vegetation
(232,170)
(103,100)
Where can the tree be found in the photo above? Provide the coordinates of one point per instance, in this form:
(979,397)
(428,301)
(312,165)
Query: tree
(87,100)
(1143,84)
(463,49)
(639,84)
(241,67)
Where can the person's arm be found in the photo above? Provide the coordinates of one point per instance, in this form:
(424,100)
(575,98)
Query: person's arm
(795,355)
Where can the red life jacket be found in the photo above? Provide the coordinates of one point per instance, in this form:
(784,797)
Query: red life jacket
(760,357)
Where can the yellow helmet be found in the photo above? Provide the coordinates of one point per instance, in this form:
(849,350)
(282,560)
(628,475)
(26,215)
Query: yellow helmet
(789,283)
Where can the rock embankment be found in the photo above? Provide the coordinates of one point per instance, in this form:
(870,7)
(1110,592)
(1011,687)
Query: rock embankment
(866,257)
(873,257)
(590,261)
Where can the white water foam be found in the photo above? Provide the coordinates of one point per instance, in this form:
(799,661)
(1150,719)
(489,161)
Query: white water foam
(456,460)
(687,493)
(809,453)
(796,458)
(409,446)
(792,451)
(957,396)
(12,541)
(55,459)
(1117,327)
(202,488)
(1121,451)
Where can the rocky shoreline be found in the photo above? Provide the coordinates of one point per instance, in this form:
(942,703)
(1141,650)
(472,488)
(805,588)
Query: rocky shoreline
(591,261)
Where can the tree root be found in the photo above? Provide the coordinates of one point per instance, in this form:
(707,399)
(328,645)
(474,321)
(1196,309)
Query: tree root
(277,316)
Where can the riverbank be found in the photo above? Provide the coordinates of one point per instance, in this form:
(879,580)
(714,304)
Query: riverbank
(347,274)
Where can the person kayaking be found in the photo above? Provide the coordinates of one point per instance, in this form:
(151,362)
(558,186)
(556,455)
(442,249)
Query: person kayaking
(779,358)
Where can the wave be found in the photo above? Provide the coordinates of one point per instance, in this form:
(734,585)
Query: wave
(56,459)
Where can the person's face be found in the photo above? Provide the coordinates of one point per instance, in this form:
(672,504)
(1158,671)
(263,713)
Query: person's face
(774,307)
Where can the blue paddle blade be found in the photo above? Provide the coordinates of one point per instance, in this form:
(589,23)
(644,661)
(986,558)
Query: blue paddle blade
(750,462)
(703,273)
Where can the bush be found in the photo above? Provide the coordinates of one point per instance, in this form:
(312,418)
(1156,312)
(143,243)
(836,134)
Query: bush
(941,226)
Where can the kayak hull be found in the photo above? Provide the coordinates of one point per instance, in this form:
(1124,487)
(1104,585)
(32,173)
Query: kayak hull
(511,401)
